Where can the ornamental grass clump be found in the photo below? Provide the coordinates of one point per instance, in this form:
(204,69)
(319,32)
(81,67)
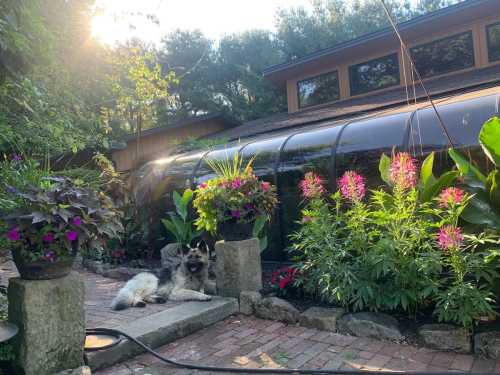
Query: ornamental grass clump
(399,248)
(234,196)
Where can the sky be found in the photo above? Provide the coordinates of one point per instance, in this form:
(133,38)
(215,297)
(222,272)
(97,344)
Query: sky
(214,17)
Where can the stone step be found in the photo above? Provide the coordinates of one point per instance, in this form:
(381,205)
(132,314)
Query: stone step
(164,327)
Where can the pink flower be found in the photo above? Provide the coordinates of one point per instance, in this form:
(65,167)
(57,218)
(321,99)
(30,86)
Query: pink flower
(450,237)
(49,256)
(266,186)
(312,186)
(77,221)
(284,282)
(48,237)
(403,171)
(236,184)
(306,219)
(203,185)
(71,235)
(352,186)
(450,197)
(13,234)
(236,214)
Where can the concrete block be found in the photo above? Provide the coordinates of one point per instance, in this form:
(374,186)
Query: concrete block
(238,267)
(51,319)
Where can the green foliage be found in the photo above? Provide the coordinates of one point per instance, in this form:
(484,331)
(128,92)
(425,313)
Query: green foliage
(484,207)
(396,251)
(54,220)
(179,224)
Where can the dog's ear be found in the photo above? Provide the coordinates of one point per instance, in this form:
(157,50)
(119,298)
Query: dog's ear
(202,245)
(184,250)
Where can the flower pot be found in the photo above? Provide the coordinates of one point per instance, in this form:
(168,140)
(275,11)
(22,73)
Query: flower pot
(234,231)
(42,270)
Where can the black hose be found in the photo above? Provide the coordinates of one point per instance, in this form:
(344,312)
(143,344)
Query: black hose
(116,333)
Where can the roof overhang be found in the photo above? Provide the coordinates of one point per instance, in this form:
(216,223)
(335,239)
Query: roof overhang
(433,22)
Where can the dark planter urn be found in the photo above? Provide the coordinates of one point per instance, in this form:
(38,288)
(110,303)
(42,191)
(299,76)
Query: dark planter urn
(42,270)
(231,230)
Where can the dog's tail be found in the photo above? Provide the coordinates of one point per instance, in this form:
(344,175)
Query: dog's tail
(123,300)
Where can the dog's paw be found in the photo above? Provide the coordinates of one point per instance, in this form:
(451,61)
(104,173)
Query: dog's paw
(160,300)
(140,304)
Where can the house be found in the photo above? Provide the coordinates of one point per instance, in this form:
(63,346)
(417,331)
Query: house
(160,141)
(352,102)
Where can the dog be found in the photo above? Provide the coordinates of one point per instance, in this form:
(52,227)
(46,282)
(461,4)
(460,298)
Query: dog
(187,282)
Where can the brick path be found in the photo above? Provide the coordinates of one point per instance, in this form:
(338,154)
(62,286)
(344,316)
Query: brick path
(99,291)
(249,342)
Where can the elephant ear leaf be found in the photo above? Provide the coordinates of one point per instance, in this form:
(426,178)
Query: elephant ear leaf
(433,189)
(426,176)
(465,168)
(493,188)
(385,168)
(489,138)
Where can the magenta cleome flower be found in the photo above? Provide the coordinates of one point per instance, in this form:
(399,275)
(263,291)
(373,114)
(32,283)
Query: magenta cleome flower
(403,171)
(71,235)
(13,234)
(266,186)
(203,185)
(352,186)
(312,186)
(48,237)
(236,214)
(77,221)
(450,237)
(450,197)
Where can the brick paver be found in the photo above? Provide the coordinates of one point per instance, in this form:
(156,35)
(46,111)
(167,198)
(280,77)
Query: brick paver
(99,291)
(249,342)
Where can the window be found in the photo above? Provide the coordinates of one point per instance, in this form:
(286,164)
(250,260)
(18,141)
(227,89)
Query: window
(444,55)
(493,32)
(374,74)
(318,90)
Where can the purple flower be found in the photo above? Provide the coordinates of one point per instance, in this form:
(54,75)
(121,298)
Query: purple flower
(248,206)
(10,190)
(236,214)
(77,221)
(236,184)
(16,157)
(49,256)
(71,235)
(13,234)
(48,237)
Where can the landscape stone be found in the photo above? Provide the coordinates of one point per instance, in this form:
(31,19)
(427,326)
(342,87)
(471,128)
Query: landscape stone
(487,344)
(275,308)
(445,337)
(238,267)
(51,320)
(170,255)
(322,318)
(249,301)
(84,370)
(370,324)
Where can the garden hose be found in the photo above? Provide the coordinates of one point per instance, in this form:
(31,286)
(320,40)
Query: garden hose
(236,370)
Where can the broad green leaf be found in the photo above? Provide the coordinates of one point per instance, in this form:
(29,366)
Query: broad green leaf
(258,225)
(426,176)
(480,212)
(466,168)
(493,188)
(489,138)
(445,180)
(180,208)
(385,168)
(263,243)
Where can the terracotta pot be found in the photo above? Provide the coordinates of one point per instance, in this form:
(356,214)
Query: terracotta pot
(42,270)
(233,231)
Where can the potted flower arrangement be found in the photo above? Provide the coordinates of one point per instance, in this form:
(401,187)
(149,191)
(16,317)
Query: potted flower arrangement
(232,202)
(53,222)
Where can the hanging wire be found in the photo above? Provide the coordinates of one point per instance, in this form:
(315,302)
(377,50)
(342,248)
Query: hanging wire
(414,68)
